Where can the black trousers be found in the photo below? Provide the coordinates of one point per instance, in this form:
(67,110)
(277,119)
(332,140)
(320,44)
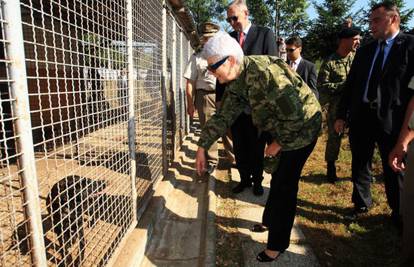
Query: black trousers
(280,209)
(248,149)
(363,135)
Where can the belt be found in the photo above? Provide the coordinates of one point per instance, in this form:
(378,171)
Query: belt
(206,90)
(373,105)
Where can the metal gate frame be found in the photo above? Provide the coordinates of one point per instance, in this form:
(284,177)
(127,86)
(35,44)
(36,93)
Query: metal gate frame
(16,64)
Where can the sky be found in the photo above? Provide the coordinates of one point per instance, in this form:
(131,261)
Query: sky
(361,3)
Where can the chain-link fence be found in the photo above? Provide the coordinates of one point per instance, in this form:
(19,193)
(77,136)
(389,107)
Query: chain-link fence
(90,111)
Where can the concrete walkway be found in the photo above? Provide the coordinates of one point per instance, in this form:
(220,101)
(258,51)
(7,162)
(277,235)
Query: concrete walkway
(178,228)
(249,212)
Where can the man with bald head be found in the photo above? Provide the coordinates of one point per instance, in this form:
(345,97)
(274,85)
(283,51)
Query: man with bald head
(374,102)
(248,142)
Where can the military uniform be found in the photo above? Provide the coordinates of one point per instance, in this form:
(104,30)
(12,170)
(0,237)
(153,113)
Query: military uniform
(331,80)
(266,84)
(205,85)
(284,107)
(408,199)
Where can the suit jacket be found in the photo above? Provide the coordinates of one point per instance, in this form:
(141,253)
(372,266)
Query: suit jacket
(307,71)
(393,94)
(259,41)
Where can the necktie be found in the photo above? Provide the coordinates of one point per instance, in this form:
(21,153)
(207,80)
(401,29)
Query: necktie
(292,65)
(241,39)
(376,74)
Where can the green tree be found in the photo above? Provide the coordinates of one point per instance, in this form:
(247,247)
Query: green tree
(260,12)
(321,39)
(291,17)
(207,10)
(285,17)
(405,14)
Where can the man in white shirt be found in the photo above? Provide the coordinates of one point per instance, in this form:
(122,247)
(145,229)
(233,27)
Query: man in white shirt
(305,68)
(248,143)
(373,104)
(200,89)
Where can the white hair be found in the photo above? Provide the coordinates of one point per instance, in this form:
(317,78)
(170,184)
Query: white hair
(222,45)
(240,4)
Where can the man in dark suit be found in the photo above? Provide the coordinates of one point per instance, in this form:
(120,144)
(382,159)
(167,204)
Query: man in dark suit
(374,102)
(248,143)
(305,68)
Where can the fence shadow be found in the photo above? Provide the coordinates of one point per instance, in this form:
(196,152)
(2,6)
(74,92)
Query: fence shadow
(76,207)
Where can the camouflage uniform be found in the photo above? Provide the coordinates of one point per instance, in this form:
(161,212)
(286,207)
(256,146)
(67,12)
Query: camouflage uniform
(331,80)
(283,106)
(281,103)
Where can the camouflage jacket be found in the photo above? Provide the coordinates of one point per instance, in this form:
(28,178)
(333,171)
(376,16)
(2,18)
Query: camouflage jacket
(332,77)
(281,103)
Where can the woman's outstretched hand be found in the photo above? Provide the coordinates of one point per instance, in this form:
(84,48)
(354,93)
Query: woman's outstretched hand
(201,161)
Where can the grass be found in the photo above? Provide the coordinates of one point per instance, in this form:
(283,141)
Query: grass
(371,241)
(228,243)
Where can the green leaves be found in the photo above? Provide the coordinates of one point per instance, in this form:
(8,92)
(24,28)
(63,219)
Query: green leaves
(321,40)
(207,10)
(285,17)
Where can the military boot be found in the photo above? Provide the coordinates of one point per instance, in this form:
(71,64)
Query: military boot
(331,172)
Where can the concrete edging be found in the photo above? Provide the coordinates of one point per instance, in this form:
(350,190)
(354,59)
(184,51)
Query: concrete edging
(210,249)
(133,251)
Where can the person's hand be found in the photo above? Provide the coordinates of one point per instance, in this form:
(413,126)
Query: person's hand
(201,161)
(339,126)
(272,149)
(395,158)
(190,110)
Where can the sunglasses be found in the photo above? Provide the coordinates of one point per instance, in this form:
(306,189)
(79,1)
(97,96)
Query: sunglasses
(213,67)
(232,18)
(290,50)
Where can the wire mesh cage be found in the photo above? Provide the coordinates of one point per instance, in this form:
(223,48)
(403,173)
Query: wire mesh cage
(147,57)
(178,88)
(170,99)
(74,64)
(84,140)
(14,240)
(185,57)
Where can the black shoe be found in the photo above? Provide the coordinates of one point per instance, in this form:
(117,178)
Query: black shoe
(257,189)
(262,257)
(331,172)
(240,187)
(356,213)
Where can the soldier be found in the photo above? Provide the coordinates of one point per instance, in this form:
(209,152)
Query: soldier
(200,89)
(281,105)
(331,80)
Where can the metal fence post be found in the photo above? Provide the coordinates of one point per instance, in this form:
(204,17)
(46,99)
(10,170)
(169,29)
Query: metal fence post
(131,106)
(174,83)
(164,89)
(21,107)
(189,53)
(181,88)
